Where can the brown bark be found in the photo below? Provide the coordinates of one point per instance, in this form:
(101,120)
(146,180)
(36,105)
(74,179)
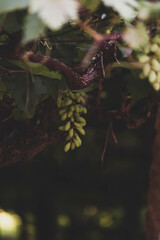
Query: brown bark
(152,226)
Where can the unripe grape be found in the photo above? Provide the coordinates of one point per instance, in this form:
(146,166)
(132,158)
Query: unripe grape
(84,110)
(147,48)
(82,100)
(81,130)
(76,142)
(72,108)
(67,147)
(59,102)
(64,116)
(71,131)
(83,124)
(77,125)
(156,86)
(154,47)
(152,76)
(62,111)
(73,146)
(80,119)
(82,94)
(72,119)
(67,126)
(68,102)
(158,77)
(156,39)
(143,58)
(146,69)
(155,65)
(77,95)
(61,128)
(68,138)
(72,95)
(78,99)
(78,139)
(70,113)
(77,108)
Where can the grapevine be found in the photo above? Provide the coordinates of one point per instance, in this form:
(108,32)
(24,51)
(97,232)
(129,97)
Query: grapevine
(70,110)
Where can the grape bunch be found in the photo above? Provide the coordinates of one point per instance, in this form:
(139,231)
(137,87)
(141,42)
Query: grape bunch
(70,110)
(151,62)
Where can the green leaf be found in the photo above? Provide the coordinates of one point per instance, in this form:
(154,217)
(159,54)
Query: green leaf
(11,5)
(51,86)
(33,27)
(138,88)
(17,85)
(37,89)
(92,87)
(10,23)
(37,68)
(91,5)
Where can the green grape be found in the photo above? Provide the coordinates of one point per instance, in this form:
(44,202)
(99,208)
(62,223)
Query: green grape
(152,76)
(70,113)
(156,86)
(71,131)
(70,106)
(143,58)
(68,102)
(64,116)
(68,138)
(72,95)
(73,146)
(82,100)
(78,139)
(76,142)
(61,128)
(67,126)
(146,69)
(80,119)
(77,125)
(81,130)
(62,111)
(72,119)
(151,62)
(82,94)
(154,47)
(67,147)
(155,65)
(59,102)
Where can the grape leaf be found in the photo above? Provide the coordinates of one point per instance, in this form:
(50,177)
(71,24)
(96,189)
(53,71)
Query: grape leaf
(37,68)
(92,87)
(17,85)
(92,4)
(10,23)
(138,88)
(11,5)
(33,27)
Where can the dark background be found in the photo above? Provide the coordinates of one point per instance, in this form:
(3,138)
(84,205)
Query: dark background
(67,196)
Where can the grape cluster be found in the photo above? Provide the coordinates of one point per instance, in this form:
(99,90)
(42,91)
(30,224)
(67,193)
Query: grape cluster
(70,109)
(151,62)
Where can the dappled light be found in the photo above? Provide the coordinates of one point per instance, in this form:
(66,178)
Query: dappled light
(10,224)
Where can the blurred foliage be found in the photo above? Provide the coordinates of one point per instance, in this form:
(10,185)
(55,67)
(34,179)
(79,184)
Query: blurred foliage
(71,196)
